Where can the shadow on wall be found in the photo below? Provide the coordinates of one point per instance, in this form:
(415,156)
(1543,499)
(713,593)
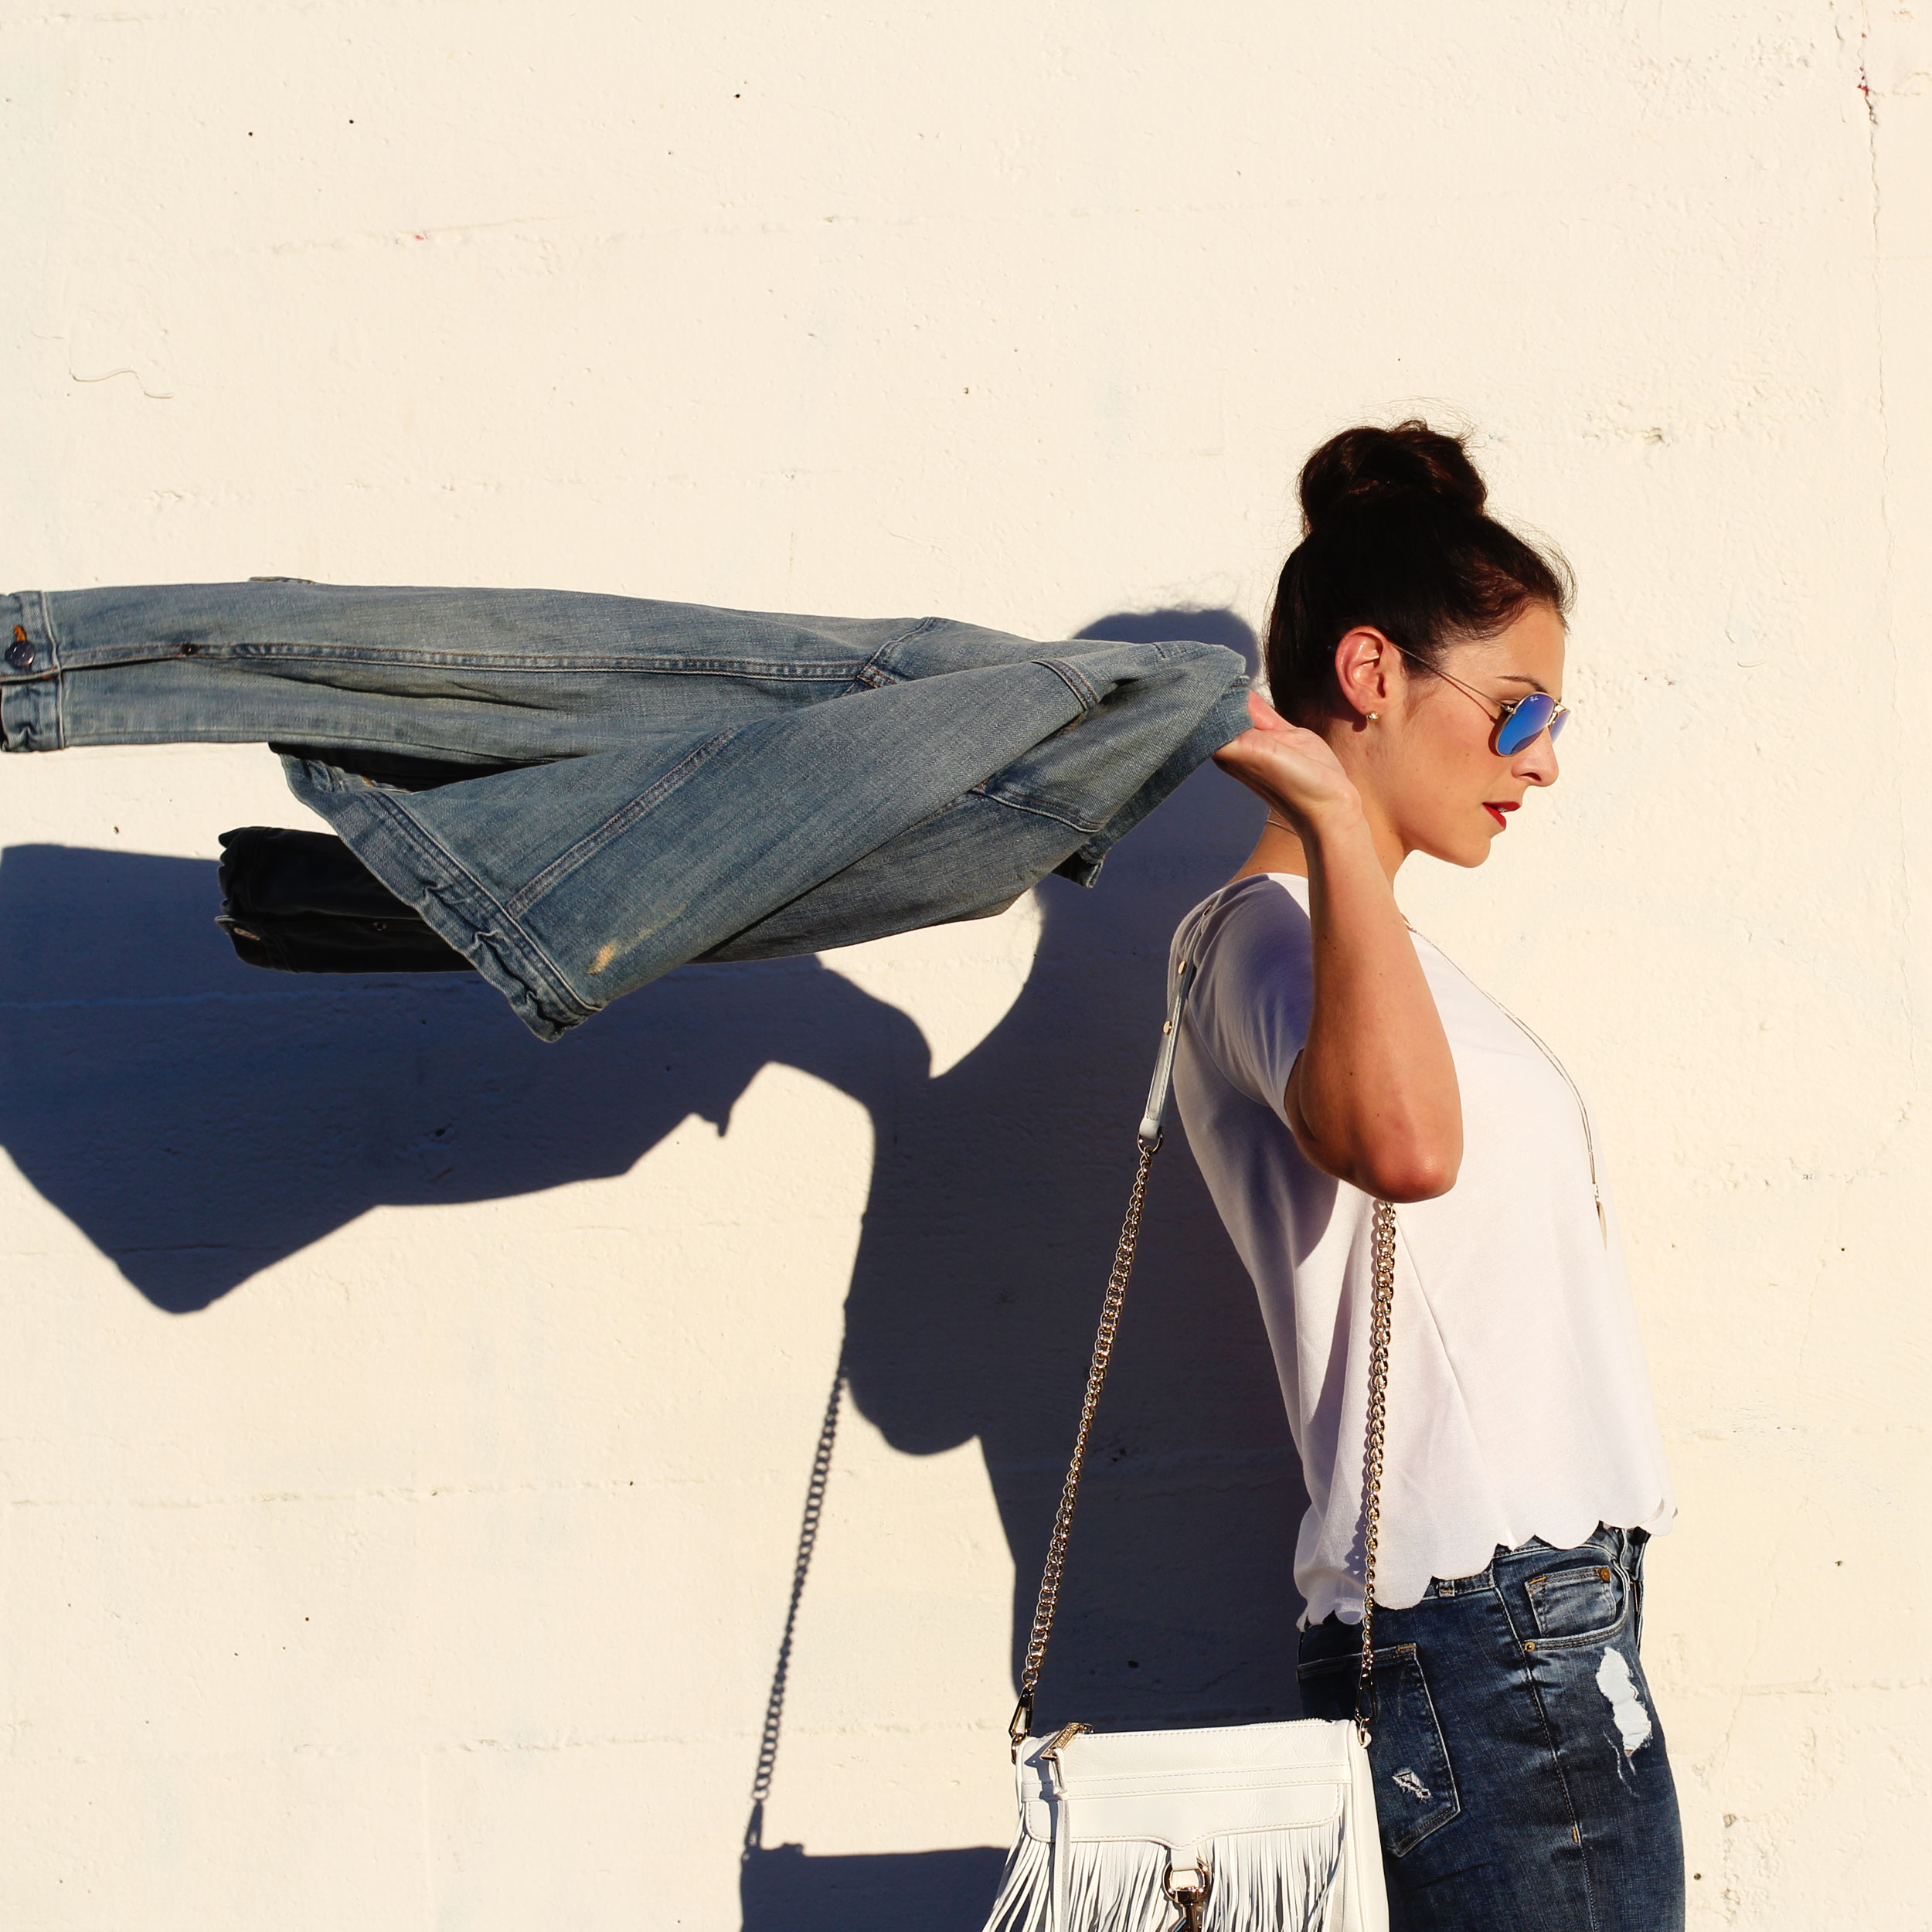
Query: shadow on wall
(199,1121)
(784,1890)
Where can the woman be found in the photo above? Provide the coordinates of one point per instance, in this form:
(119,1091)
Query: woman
(1332,1056)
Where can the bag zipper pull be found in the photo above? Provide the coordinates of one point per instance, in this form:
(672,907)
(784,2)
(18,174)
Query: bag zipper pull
(1065,1734)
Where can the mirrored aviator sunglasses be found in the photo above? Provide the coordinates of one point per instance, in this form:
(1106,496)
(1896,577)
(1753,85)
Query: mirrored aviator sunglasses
(1525,720)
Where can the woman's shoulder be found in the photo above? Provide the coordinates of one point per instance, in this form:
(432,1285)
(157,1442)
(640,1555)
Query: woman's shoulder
(1260,902)
(1261,920)
(1253,988)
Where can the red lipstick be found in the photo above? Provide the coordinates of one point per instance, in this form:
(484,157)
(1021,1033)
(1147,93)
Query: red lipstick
(1496,812)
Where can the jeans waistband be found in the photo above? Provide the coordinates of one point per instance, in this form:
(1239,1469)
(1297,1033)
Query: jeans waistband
(1623,1547)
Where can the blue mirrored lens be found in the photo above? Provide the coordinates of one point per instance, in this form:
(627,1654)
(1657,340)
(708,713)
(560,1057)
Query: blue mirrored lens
(1530,719)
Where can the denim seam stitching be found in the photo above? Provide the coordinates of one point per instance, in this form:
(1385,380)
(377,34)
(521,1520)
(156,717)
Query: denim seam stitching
(322,741)
(1399,1653)
(458,755)
(361,741)
(1555,1757)
(59,682)
(876,673)
(1038,810)
(815,671)
(1582,1641)
(47,625)
(1602,1635)
(1442,1744)
(622,820)
(431,847)
(1089,698)
(918,630)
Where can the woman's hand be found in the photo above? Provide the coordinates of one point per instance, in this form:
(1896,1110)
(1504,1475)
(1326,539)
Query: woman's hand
(1295,771)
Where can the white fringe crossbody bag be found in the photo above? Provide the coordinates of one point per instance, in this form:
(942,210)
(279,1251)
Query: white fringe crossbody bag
(1241,1828)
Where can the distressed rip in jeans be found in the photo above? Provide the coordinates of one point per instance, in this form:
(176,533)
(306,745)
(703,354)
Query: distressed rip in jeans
(1522,1784)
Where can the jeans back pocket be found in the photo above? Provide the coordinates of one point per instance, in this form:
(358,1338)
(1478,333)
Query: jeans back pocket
(1415,1788)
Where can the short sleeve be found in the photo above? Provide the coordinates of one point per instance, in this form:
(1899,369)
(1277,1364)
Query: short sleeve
(1254,987)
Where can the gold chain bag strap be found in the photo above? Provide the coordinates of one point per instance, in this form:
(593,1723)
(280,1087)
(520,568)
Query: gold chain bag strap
(1281,1810)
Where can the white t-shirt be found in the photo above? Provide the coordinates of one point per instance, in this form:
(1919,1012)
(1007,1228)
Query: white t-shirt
(1519,1403)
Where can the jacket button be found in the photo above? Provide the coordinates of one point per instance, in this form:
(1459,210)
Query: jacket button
(20,654)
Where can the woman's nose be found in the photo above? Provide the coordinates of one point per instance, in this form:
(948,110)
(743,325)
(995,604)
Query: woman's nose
(1537,763)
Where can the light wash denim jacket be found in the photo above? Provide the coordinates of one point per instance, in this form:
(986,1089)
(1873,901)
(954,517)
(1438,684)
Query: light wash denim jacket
(580,792)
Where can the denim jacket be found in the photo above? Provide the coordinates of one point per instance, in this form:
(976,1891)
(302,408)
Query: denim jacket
(578,792)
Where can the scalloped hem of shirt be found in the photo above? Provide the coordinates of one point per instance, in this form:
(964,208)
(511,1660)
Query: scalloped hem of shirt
(1659,1524)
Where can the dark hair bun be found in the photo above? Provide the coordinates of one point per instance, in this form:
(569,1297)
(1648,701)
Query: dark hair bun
(1363,468)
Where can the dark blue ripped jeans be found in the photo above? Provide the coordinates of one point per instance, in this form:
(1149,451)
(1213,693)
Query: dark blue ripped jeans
(1521,1781)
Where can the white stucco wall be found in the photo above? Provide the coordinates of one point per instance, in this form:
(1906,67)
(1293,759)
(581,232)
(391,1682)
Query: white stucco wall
(404,1426)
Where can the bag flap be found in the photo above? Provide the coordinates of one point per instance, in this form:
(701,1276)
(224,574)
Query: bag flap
(1176,1788)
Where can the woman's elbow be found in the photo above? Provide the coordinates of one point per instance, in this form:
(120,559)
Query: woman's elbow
(1421,1170)
(1402,1177)
(1402,1162)
(1422,1179)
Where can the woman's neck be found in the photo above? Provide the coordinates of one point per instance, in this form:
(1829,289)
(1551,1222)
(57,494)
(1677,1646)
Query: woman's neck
(1280,849)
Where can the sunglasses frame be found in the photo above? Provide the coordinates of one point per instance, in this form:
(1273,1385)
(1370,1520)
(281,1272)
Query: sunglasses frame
(1552,724)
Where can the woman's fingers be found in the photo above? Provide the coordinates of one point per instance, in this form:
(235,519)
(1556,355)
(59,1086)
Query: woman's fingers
(1263,715)
(1293,769)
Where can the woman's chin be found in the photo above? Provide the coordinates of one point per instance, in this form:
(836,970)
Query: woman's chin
(1467,852)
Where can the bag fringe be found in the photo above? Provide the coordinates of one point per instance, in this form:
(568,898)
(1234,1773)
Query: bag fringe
(1026,1892)
(1280,1881)
(1274,1881)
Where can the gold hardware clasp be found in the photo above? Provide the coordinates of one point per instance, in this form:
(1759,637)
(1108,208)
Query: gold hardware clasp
(1023,1722)
(1188,1887)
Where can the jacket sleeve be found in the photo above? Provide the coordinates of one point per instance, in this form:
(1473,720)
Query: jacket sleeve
(931,798)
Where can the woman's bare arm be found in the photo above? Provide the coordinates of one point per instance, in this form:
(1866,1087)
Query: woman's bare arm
(1372,1098)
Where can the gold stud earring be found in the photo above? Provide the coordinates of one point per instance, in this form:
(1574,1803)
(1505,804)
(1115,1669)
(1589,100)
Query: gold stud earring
(1373,715)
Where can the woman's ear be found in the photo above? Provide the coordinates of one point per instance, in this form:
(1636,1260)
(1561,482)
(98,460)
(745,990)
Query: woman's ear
(1366,669)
